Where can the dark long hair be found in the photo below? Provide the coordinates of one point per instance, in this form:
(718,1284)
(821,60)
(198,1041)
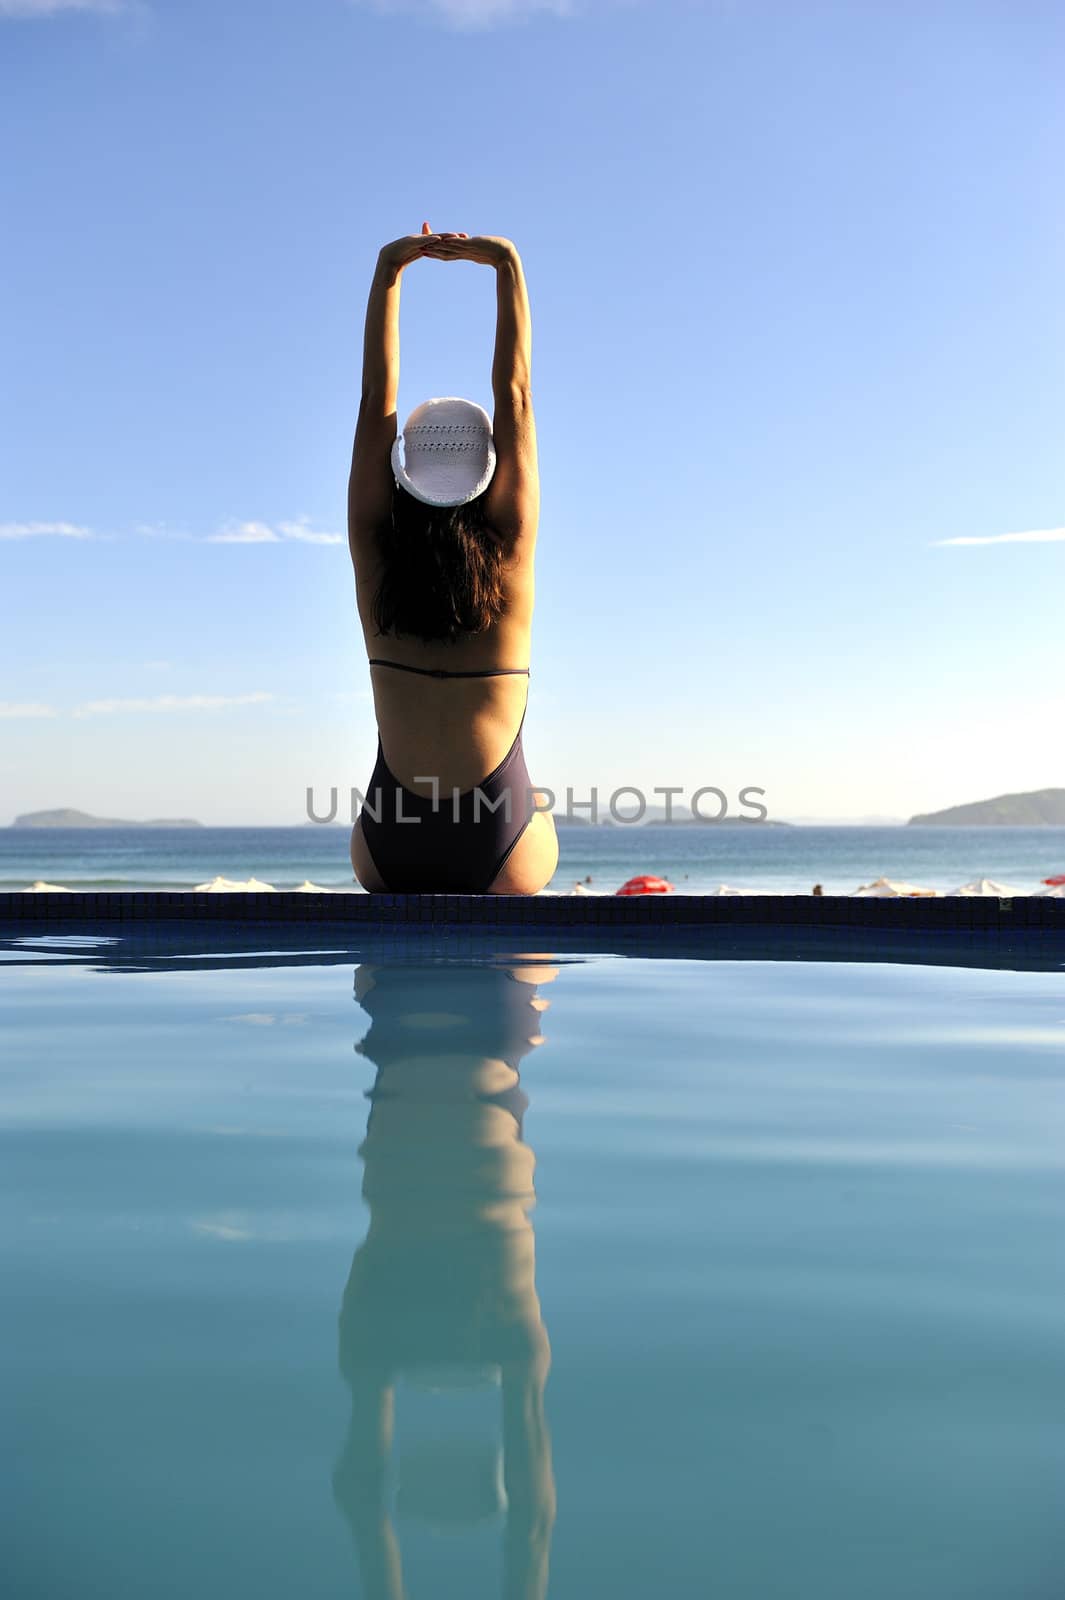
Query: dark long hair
(441,570)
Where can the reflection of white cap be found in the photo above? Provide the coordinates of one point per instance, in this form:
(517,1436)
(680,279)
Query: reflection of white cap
(445,455)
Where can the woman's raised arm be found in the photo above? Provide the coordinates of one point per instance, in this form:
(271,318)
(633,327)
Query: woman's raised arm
(513,497)
(512,361)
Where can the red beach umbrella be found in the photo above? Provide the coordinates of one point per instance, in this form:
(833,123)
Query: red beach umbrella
(1052,883)
(646,884)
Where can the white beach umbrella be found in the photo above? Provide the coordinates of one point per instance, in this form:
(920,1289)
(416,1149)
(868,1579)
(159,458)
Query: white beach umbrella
(891,889)
(230,886)
(1055,892)
(986,886)
(40,887)
(726,888)
(307,887)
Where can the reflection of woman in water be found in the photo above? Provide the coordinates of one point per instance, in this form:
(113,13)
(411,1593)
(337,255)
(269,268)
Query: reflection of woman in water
(442,1289)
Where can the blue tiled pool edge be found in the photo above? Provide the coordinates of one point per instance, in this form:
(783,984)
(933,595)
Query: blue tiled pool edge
(304,911)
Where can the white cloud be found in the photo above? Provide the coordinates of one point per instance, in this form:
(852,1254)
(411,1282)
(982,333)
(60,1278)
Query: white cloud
(230,533)
(474,13)
(172,702)
(26,708)
(300,530)
(1036,536)
(50,8)
(244,533)
(40,530)
(263,533)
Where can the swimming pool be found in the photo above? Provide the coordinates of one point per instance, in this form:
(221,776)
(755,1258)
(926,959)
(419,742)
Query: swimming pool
(734,1276)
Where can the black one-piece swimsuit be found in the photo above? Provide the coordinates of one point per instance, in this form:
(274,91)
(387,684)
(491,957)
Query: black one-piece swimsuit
(450,843)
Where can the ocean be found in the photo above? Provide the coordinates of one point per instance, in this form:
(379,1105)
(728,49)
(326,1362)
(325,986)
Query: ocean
(696,859)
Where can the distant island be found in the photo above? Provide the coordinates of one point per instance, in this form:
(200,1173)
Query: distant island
(67,818)
(1041,808)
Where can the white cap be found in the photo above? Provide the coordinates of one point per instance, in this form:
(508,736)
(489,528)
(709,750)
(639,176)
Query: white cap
(445,455)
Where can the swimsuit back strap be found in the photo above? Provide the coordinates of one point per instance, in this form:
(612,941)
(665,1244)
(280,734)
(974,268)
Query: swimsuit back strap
(439,672)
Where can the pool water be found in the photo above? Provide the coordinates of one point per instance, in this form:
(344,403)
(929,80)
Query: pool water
(520,1274)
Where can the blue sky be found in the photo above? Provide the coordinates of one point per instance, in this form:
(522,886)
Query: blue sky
(799,370)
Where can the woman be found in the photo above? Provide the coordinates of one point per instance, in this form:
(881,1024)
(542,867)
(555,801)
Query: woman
(442,528)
